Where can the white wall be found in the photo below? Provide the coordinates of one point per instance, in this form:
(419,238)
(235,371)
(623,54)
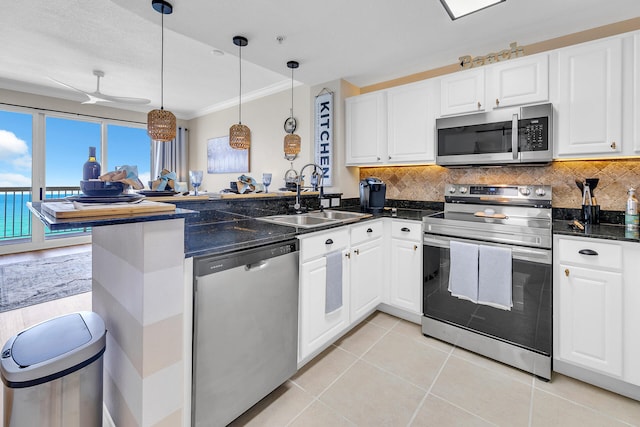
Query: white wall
(265,117)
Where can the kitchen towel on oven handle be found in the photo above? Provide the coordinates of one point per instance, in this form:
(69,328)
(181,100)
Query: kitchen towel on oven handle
(494,277)
(463,271)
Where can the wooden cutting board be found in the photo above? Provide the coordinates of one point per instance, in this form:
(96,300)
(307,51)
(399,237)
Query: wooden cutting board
(66,210)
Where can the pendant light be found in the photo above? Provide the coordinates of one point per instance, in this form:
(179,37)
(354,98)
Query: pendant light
(291,140)
(239,134)
(161,124)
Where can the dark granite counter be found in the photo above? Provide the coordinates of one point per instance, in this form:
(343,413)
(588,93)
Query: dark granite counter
(611,225)
(601,231)
(55,224)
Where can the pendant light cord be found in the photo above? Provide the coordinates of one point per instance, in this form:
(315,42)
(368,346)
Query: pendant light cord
(162,63)
(240,93)
(291,92)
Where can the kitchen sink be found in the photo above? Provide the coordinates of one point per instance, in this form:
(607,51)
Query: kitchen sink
(314,219)
(339,215)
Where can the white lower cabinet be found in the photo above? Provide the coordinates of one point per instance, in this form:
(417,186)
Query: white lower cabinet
(315,326)
(595,305)
(405,277)
(365,280)
(366,268)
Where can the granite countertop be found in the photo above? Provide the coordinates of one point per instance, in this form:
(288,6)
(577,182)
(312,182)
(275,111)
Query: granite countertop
(227,231)
(600,231)
(55,224)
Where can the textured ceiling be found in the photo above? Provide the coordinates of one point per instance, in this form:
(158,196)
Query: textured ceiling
(362,41)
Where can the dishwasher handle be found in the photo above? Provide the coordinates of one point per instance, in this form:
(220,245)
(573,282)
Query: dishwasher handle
(206,265)
(256,266)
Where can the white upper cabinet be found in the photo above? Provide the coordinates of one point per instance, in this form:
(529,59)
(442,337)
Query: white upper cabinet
(391,126)
(411,123)
(366,128)
(519,81)
(589,107)
(462,92)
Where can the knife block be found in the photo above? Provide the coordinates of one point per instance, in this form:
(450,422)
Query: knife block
(591,214)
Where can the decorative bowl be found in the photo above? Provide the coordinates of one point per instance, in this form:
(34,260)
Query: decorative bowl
(97,188)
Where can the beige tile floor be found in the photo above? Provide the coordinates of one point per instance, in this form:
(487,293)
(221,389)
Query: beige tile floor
(386,373)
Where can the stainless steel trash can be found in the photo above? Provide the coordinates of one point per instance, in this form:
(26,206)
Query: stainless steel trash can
(52,373)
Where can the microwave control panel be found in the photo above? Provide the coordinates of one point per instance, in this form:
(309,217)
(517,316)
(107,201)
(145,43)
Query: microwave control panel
(534,134)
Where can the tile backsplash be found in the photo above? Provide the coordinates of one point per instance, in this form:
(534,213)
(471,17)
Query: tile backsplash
(426,183)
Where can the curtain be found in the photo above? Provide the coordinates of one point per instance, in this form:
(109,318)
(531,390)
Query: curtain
(171,155)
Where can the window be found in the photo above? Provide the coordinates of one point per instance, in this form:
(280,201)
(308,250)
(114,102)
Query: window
(129,146)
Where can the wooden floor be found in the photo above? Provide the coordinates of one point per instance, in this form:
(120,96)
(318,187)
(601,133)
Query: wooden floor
(14,321)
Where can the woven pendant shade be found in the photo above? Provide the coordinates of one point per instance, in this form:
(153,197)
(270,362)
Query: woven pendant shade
(239,137)
(161,125)
(291,144)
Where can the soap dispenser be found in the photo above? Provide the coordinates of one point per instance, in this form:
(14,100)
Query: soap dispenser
(631,211)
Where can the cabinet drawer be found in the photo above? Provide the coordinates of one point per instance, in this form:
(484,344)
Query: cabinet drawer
(408,230)
(609,255)
(319,244)
(365,232)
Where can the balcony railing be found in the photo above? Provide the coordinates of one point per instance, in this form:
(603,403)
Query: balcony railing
(16,217)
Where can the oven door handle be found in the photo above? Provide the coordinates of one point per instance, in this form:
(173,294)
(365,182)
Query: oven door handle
(517,252)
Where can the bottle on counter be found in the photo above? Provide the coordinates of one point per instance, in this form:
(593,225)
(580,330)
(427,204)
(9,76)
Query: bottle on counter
(91,168)
(631,212)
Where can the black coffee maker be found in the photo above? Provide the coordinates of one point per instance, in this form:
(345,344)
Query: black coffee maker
(372,195)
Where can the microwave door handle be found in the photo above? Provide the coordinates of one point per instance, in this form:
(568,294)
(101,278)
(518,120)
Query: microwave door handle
(514,136)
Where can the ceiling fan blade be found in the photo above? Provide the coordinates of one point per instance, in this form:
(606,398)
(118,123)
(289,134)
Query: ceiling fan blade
(93,99)
(120,99)
(67,86)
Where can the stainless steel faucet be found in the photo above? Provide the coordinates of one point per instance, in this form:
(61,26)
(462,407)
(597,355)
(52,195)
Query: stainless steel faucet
(299,183)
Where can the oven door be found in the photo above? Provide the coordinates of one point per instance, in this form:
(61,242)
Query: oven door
(527,324)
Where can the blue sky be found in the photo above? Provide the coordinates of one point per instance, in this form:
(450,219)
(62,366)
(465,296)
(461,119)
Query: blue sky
(68,143)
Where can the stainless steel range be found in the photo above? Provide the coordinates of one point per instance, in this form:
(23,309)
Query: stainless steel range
(487,273)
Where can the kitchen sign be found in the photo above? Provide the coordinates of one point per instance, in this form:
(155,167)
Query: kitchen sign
(324,135)
(515,51)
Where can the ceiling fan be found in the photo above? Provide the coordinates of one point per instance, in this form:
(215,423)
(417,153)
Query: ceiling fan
(97,96)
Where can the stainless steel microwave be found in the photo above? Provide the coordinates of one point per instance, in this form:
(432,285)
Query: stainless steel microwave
(520,135)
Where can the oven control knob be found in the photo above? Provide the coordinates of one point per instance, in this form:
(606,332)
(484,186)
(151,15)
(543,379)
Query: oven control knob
(525,191)
(452,190)
(463,190)
(540,192)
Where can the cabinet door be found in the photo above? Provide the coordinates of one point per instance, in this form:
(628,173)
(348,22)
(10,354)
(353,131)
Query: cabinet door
(462,92)
(366,278)
(317,327)
(366,128)
(411,115)
(521,81)
(590,99)
(405,286)
(590,318)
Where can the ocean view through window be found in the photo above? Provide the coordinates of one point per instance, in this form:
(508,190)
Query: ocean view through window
(55,169)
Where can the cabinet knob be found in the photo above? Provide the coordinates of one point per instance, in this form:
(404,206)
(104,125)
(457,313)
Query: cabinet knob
(415,247)
(405,229)
(566,272)
(356,251)
(389,157)
(497,102)
(378,158)
(348,255)
(479,105)
(369,230)
(613,145)
(589,252)
(329,242)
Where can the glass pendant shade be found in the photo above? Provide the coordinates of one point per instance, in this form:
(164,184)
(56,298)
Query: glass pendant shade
(239,137)
(161,124)
(291,144)
(239,134)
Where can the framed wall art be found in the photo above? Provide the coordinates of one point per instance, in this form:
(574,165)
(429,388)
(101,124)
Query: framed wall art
(221,158)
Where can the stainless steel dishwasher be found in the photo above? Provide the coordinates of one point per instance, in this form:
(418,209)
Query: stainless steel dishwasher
(245,336)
